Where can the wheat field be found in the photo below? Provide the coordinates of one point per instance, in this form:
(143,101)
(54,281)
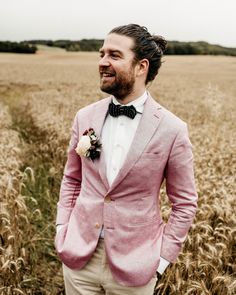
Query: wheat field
(39,96)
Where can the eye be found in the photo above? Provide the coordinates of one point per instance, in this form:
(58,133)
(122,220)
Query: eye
(114,56)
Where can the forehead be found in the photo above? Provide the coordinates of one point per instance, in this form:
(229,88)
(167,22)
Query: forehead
(116,42)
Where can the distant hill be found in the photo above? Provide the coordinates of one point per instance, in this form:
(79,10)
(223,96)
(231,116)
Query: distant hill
(173,48)
(46,48)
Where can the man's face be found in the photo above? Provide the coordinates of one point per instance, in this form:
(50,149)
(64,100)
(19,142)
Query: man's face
(116,66)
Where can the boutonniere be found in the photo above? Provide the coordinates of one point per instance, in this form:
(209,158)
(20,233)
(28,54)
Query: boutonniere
(89,145)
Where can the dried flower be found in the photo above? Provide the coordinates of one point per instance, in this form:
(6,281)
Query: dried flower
(88,145)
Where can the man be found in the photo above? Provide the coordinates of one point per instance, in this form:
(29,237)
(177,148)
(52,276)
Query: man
(110,234)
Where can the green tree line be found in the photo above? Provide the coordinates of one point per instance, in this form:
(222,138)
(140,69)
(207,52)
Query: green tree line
(173,47)
(81,45)
(201,47)
(17,47)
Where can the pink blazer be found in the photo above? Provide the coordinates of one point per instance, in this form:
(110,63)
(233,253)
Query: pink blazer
(134,232)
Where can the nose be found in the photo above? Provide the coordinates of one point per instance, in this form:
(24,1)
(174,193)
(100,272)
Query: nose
(104,61)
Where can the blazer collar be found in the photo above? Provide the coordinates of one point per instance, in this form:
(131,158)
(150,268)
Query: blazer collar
(99,115)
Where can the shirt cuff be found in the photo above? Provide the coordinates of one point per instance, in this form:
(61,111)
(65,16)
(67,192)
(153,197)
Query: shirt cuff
(59,227)
(163,265)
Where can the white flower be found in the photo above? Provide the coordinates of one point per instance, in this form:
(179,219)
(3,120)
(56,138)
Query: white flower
(89,145)
(83,146)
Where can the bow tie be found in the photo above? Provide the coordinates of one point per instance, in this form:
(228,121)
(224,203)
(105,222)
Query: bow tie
(116,110)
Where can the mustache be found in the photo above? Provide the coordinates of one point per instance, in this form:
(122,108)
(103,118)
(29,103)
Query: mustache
(106,71)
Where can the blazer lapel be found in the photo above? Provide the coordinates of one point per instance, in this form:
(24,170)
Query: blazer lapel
(147,126)
(99,117)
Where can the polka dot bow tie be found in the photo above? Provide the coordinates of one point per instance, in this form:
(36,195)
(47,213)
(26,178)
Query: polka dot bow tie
(116,110)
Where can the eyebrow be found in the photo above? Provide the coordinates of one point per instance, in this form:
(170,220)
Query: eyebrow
(111,51)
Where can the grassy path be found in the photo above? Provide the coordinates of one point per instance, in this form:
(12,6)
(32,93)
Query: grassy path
(41,170)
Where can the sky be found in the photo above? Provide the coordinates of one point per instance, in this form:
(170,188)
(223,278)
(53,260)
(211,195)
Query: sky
(212,21)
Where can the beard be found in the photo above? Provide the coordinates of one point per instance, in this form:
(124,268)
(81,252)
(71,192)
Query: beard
(121,86)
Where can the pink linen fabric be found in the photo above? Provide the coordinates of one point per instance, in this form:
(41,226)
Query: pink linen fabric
(135,235)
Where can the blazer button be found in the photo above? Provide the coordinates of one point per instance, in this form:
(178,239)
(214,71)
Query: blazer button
(107,199)
(97,225)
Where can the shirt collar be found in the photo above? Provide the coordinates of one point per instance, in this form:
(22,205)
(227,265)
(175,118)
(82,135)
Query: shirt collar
(138,103)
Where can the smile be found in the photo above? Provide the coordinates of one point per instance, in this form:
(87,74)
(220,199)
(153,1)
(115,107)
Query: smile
(107,74)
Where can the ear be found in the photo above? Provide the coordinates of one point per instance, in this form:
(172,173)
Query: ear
(142,67)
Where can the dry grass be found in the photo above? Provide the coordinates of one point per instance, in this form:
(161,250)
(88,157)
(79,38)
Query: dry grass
(51,87)
(13,212)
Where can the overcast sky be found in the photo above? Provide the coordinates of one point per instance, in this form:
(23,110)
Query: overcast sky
(213,21)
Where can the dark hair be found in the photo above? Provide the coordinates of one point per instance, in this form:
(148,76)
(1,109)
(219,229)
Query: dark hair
(146,46)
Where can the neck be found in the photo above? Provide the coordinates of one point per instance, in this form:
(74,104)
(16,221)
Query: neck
(132,96)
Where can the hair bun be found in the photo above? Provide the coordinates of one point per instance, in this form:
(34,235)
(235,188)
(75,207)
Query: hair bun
(160,42)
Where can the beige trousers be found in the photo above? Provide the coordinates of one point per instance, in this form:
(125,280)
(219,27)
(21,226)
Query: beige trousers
(96,278)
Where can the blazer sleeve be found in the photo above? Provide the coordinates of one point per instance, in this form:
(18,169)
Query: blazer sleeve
(71,180)
(181,191)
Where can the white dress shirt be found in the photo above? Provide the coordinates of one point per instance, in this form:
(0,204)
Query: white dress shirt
(117,136)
